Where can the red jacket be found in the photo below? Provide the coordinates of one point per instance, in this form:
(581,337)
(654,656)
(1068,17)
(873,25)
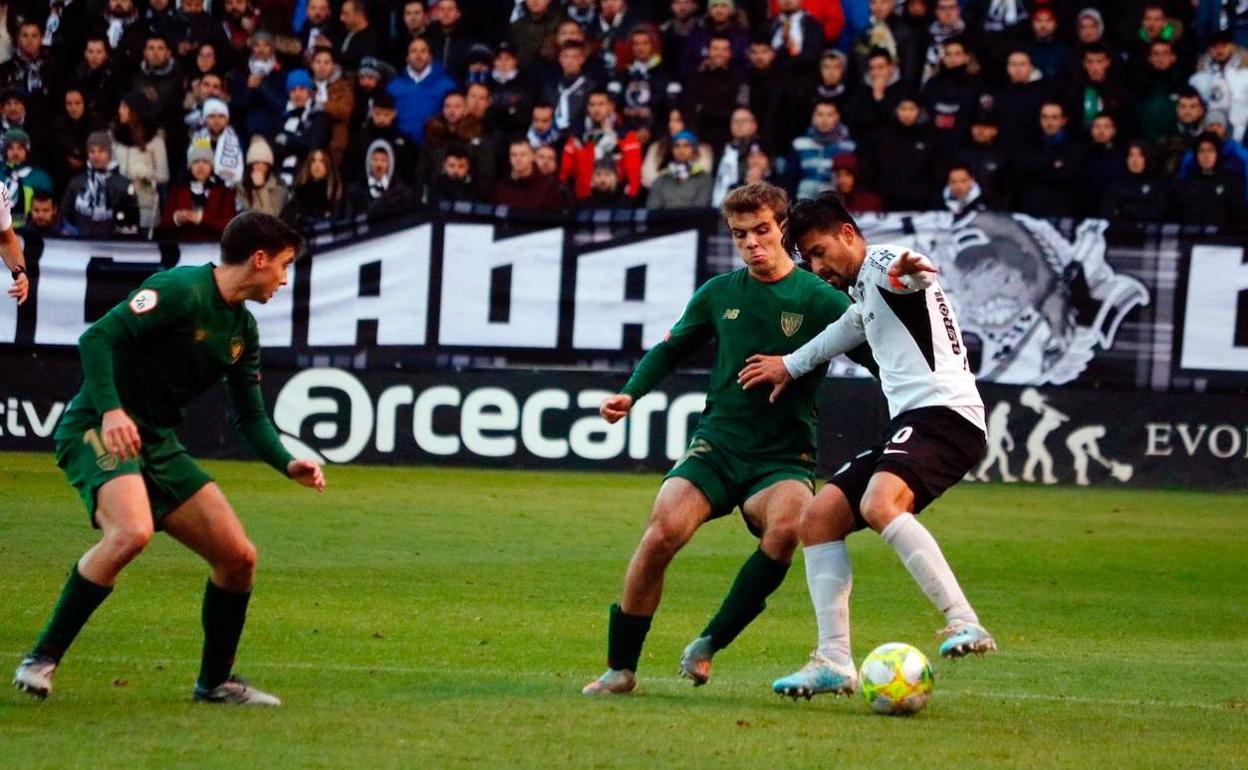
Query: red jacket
(217,214)
(576,169)
(829,13)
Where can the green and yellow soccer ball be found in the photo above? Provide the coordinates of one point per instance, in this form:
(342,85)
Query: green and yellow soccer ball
(896,679)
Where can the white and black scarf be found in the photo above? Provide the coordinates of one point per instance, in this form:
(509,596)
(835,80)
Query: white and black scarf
(92,202)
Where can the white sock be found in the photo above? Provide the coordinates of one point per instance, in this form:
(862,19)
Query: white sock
(829,578)
(921,555)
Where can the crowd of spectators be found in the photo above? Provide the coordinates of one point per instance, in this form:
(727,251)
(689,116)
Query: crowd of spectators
(165,117)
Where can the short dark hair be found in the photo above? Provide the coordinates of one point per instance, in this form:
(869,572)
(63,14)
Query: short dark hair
(42,196)
(824,213)
(877,52)
(752,197)
(1187,92)
(253,231)
(1097,48)
(960,166)
(459,151)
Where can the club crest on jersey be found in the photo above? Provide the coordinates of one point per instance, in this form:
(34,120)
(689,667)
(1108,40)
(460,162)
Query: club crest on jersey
(144,301)
(236,349)
(790,323)
(732,313)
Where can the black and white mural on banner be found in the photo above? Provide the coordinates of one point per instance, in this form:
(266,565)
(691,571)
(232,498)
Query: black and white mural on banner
(1041,304)
(548,419)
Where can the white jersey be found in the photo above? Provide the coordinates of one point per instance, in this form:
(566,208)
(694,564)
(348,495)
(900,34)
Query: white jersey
(914,337)
(6,204)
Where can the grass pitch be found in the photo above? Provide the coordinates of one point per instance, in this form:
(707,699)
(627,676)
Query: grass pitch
(417,617)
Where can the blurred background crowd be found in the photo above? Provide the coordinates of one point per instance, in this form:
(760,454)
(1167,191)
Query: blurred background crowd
(163,118)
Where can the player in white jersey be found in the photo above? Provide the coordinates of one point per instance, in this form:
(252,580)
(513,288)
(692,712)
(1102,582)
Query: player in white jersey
(11,250)
(935,437)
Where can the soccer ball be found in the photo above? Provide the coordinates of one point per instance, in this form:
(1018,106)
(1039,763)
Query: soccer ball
(896,679)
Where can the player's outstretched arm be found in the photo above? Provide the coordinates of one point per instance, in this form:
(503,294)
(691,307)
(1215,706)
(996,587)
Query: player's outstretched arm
(763,370)
(308,473)
(911,272)
(847,333)
(614,408)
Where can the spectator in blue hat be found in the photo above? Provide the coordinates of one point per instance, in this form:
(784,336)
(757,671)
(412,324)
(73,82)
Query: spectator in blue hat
(21,178)
(304,127)
(685,183)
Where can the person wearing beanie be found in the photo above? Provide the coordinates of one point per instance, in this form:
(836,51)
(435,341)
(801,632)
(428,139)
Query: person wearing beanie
(370,82)
(21,180)
(685,183)
(141,154)
(226,146)
(303,128)
(604,189)
(1233,156)
(100,202)
(261,189)
(259,93)
(201,207)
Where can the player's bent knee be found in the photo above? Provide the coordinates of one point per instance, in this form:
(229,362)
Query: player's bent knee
(241,564)
(664,537)
(879,511)
(125,543)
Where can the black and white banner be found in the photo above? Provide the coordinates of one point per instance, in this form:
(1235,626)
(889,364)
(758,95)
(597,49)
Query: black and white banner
(549,420)
(1082,304)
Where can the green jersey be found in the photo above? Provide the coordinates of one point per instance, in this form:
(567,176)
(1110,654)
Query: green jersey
(171,340)
(748,316)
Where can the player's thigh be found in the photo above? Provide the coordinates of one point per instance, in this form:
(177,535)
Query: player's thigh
(122,507)
(779,504)
(207,524)
(829,516)
(888,496)
(679,509)
(89,467)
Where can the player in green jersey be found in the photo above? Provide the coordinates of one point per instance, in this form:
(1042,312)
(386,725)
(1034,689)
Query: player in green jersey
(180,333)
(745,453)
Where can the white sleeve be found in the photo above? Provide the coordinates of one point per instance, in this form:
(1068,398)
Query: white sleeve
(6,216)
(842,336)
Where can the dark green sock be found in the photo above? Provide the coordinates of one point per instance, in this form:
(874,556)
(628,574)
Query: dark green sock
(224,615)
(625,635)
(759,578)
(78,600)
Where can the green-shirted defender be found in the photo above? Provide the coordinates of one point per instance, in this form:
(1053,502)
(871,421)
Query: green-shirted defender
(745,452)
(180,333)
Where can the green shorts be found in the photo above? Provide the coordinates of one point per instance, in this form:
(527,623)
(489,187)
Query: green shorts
(728,479)
(169,473)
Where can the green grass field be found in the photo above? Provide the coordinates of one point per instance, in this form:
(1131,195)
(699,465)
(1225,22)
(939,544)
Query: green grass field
(417,617)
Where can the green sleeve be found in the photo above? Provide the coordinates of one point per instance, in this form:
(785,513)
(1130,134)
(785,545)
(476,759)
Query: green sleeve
(834,303)
(159,301)
(250,417)
(693,329)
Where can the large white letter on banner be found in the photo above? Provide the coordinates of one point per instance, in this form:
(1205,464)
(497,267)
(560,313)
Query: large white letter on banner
(336,307)
(470,257)
(61,301)
(602,309)
(275,318)
(1216,279)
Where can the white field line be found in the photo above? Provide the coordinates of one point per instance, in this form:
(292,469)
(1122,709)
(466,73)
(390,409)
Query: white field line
(661,682)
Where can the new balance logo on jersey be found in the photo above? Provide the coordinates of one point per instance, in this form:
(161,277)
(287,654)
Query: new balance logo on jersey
(731,313)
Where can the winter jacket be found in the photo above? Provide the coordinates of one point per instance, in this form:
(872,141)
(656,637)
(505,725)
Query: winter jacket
(1049,173)
(1139,198)
(148,168)
(529,35)
(950,98)
(672,192)
(404,151)
(990,165)
(270,199)
(905,163)
(536,192)
(1102,167)
(260,108)
(116,214)
(218,212)
(470,134)
(1017,107)
(1226,87)
(338,107)
(1156,94)
(710,97)
(1212,199)
(812,157)
(576,168)
(417,101)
